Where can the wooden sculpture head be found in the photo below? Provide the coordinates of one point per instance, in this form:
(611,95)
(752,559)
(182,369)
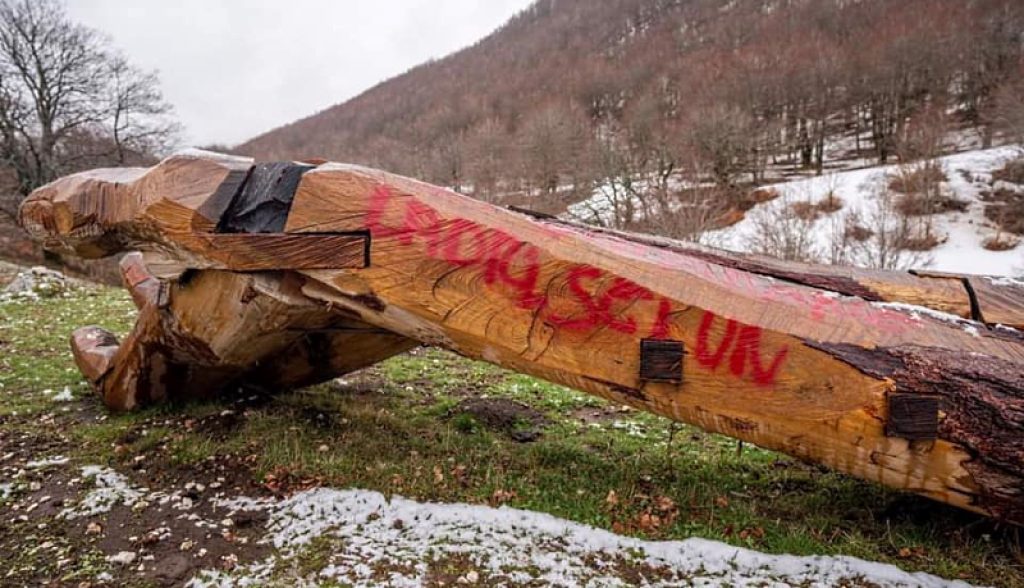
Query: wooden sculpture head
(71,214)
(105,211)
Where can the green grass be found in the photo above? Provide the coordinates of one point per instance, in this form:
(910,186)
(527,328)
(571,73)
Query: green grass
(392,428)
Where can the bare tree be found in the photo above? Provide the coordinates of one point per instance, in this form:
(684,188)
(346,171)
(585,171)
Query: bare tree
(137,115)
(781,231)
(883,237)
(487,145)
(554,145)
(1008,112)
(68,101)
(723,136)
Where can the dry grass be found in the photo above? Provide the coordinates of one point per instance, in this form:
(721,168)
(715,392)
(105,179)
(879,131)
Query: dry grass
(917,181)
(1000,243)
(922,242)
(1012,172)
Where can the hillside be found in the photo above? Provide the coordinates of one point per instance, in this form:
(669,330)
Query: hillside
(570,93)
(962,233)
(863,197)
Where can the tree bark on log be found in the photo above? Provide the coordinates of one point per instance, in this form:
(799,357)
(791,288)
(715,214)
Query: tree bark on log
(289,274)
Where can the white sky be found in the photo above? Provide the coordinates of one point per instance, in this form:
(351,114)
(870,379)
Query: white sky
(236,68)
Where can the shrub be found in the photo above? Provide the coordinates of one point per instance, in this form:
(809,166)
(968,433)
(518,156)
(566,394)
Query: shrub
(921,242)
(1000,243)
(857,232)
(784,231)
(830,204)
(915,205)
(918,180)
(762,195)
(1012,172)
(805,210)
(730,217)
(1008,216)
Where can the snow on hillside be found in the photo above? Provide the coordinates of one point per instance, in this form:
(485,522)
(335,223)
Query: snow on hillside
(968,174)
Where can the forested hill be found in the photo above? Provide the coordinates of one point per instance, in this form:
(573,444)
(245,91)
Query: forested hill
(569,92)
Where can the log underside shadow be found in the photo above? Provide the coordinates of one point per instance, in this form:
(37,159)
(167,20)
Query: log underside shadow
(284,275)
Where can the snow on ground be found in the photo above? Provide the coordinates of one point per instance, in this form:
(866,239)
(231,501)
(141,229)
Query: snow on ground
(968,174)
(64,395)
(391,542)
(46,462)
(111,488)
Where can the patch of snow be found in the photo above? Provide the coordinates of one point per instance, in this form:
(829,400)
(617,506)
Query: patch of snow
(122,557)
(1006,282)
(962,252)
(47,462)
(972,328)
(64,395)
(111,489)
(6,490)
(917,311)
(400,537)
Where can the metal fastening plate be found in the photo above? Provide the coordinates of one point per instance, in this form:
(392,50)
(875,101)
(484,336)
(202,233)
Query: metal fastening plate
(912,417)
(661,360)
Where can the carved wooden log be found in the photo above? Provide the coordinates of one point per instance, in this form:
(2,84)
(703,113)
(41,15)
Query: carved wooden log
(290,273)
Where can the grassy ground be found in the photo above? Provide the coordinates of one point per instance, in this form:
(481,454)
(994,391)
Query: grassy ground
(432,426)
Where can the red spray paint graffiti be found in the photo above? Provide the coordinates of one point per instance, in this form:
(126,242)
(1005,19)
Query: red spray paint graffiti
(742,343)
(514,266)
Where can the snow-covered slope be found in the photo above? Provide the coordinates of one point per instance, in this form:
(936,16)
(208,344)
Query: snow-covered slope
(967,173)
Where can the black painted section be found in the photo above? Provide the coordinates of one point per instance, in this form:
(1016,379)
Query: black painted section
(913,417)
(973,296)
(263,204)
(661,360)
(226,194)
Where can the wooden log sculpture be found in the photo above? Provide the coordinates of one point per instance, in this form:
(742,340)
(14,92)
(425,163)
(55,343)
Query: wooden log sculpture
(282,275)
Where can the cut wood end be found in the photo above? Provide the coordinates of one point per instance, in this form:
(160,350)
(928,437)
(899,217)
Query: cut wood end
(94,349)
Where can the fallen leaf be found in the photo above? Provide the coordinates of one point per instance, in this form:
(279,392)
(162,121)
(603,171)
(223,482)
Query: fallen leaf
(502,496)
(612,499)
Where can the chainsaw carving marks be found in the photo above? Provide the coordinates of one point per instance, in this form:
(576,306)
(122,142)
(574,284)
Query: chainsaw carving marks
(596,300)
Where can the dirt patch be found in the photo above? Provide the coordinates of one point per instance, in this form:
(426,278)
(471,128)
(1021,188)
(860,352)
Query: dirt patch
(515,419)
(600,414)
(173,542)
(172,529)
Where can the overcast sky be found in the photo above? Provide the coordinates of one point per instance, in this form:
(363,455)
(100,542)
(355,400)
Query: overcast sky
(236,68)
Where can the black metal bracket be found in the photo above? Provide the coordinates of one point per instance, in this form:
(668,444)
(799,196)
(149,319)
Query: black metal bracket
(912,417)
(661,360)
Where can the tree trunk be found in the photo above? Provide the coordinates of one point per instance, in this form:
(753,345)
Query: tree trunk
(914,381)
